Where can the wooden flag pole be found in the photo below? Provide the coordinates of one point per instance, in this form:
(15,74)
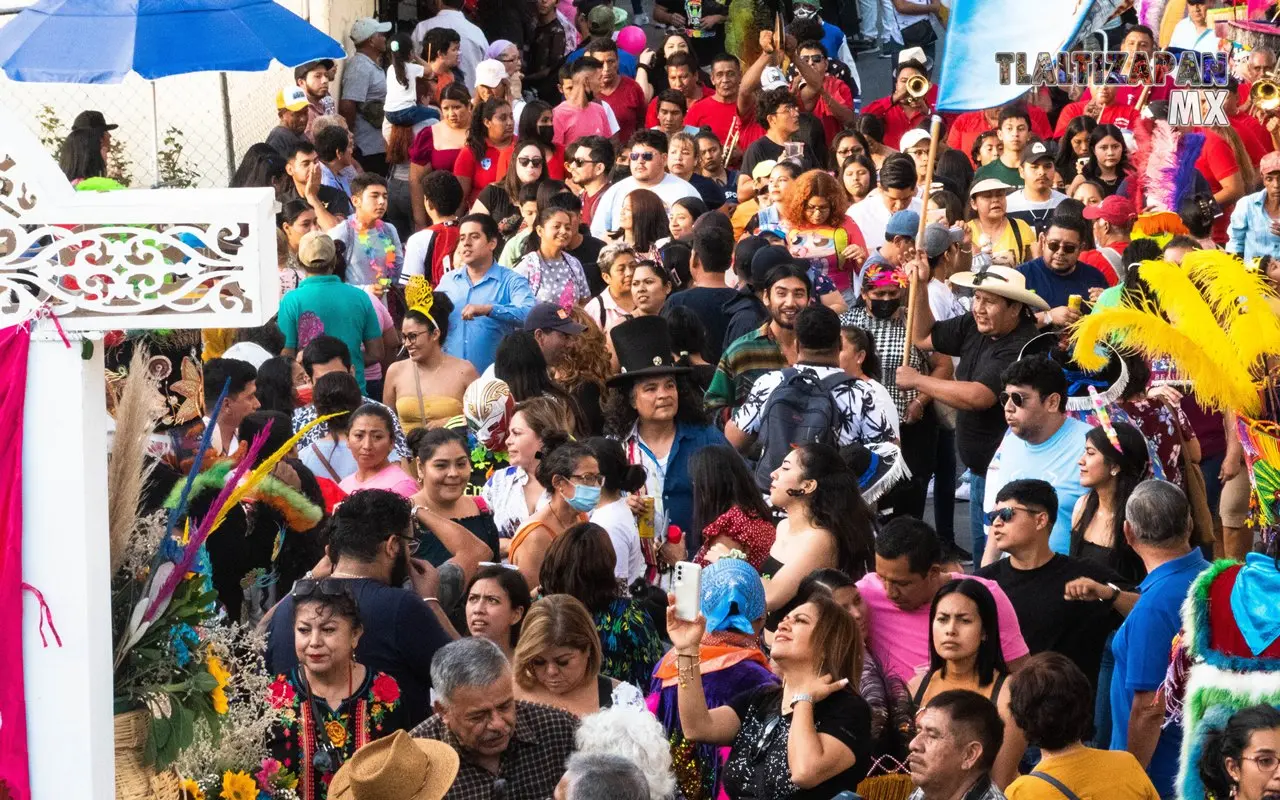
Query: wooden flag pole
(935,130)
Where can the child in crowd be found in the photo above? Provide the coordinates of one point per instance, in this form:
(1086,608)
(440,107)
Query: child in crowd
(374,253)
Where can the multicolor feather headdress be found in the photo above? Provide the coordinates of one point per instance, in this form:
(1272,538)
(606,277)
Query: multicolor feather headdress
(1163,174)
(1210,317)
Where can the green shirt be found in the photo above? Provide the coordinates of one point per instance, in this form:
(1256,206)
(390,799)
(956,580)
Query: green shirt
(746,359)
(323,304)
(997,169)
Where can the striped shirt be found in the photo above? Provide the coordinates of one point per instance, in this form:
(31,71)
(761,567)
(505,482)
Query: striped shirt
(749,357)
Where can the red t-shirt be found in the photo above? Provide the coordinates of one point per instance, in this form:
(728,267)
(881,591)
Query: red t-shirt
(1072,110)
(482,173)
(555,168)
(1099,262)
(627,102)
(896,120)
(967,127)
(711,112)
(1217,162)
(840,91)
(1254,136)
(589,204)
(651,116)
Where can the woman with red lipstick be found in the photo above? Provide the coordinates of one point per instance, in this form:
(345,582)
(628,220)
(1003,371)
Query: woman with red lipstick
(330,705)
(964,653)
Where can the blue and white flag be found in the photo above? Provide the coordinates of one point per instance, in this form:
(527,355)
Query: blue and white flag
(978,29)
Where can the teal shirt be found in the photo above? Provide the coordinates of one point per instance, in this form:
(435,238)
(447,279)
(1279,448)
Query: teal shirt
(340,310)
(997,169)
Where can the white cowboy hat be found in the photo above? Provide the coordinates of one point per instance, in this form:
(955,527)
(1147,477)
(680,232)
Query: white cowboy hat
(1004,281)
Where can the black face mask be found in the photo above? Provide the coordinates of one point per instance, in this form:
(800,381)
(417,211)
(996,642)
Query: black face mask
(546,133)
(884,309)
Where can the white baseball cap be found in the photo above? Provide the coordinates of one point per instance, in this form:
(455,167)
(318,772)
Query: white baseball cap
(772,78)
(490,72)
(365,27)
(912,138)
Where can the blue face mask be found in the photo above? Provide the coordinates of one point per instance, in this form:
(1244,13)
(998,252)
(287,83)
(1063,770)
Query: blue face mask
(585,498)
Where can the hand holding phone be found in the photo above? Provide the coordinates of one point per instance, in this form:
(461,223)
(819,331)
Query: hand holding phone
(686,584)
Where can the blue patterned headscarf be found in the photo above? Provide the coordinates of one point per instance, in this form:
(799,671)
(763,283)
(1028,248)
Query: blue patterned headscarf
(732,596)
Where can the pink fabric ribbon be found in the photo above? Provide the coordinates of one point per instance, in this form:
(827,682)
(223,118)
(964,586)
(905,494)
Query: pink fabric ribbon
(14,774)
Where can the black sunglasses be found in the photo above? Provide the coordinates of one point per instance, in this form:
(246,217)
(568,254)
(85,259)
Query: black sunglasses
(318,587)
(1005,514)
(644,156)
(582,162)
(526,161)
(1066,247)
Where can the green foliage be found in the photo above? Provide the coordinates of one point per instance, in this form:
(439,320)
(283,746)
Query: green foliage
(175,171)
(51,133)
(118,166)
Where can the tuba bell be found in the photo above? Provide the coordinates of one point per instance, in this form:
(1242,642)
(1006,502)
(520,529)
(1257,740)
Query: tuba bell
(918,86)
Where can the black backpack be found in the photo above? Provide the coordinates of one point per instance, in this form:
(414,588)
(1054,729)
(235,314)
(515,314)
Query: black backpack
(801,410)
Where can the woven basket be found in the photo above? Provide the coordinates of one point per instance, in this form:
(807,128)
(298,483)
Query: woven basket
(134,779)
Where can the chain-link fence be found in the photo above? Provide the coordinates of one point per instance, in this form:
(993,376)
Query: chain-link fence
(206,121)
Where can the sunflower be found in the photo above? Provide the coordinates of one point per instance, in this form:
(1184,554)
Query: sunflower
(191,790)
(238,786)
(218,695)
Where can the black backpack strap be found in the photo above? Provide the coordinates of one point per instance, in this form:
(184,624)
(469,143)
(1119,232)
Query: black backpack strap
(835,379)
(1017,240)
(1057,784)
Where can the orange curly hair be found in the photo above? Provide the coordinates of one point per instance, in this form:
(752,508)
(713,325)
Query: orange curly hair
(814,183)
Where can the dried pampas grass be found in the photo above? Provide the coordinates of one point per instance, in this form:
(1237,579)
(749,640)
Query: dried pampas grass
(128,467)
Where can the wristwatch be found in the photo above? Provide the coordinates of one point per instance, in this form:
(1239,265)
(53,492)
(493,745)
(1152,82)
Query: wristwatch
(800,697)
(1115,593)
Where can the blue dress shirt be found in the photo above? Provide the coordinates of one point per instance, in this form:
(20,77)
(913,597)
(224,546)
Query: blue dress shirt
(476,339)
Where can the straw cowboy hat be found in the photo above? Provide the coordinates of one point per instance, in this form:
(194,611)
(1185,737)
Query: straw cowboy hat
(397,767)
(1006,282)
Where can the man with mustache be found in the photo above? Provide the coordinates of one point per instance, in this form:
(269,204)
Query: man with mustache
(508,749)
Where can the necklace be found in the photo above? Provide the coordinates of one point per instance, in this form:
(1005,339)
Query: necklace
(348,575)
(371,248)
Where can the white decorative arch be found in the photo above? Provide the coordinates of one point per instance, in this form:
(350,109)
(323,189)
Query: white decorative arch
(128,259)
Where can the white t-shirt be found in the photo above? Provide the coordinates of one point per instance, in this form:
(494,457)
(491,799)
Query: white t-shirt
(617,519)
(471,48)
(399,96)
(670,189)
(871,215)
(1186,37)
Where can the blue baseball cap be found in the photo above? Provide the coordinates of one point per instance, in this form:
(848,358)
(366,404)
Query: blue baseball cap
(903,223)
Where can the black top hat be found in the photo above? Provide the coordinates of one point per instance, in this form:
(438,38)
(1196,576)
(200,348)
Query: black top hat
(643,345)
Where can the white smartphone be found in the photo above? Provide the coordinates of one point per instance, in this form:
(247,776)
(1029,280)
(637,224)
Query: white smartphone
(687,587)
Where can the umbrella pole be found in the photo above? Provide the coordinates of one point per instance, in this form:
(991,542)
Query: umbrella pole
(155,137)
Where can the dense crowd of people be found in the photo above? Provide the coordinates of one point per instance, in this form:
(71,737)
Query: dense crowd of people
(576,311)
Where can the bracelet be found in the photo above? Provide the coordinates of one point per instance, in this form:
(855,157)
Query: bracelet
(435,600)
(413,512)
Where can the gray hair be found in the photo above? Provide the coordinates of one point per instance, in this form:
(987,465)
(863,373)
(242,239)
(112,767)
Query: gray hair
(473,661)
(1158,514)
(636,735)
(609,254)
(599,776)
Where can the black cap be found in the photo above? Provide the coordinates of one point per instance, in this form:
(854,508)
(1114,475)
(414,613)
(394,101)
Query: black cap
(763,262)
(91,121)
(300,71)
(551,317)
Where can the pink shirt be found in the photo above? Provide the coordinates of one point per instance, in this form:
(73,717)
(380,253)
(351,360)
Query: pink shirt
(392,478)
(573,123)
(900,639)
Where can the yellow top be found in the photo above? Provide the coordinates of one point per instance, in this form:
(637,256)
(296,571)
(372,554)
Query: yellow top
(1007,242)
(1091,774)
(438,408)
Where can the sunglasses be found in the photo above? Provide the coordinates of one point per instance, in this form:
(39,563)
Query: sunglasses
(813,58)
(1019,399)
(582,162)
(318,587)
(1067,248)
(645,156)
(526,161)
(1005,514)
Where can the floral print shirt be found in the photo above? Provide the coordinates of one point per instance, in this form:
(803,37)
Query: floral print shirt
(561,280)
(1161,426)
(372,711)
(629,642)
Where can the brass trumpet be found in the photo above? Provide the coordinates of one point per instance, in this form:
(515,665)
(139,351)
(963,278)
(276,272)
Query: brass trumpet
(918,86)
(1265,94)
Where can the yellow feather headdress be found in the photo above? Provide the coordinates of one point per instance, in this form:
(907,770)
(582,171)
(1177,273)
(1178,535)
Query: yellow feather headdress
(1210,317)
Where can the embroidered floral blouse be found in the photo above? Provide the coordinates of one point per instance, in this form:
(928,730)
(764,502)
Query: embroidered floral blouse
(372,711)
